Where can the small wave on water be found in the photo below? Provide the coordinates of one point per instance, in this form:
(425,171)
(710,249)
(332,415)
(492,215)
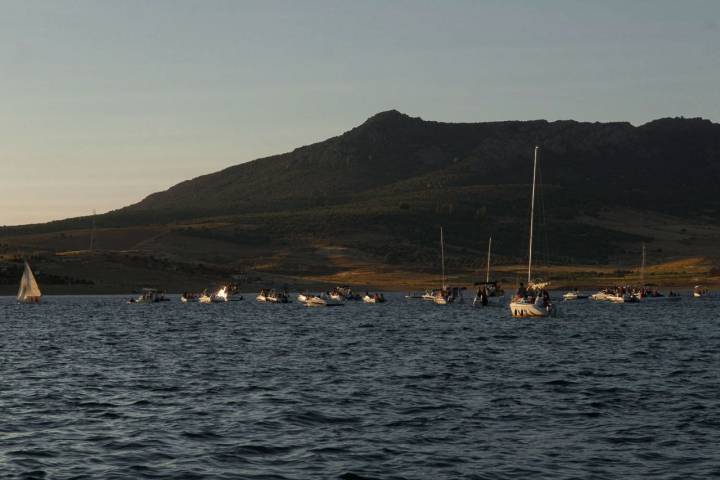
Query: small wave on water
(91,387)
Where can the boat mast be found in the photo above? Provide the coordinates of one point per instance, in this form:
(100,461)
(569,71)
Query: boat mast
(487,273)
(442,257)
(92,232)
(642,267)
(532,215)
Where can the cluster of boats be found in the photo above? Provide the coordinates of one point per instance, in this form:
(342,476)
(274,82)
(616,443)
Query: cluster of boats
(629,294)
(230,293)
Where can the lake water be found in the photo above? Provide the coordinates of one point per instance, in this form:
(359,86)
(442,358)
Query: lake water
(91,387)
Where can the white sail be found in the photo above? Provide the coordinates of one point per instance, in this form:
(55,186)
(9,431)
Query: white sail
(29,289)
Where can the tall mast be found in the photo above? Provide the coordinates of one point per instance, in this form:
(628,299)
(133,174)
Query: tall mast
(487,273)
(642,267)
(442,256)
(532,215)
(92,232)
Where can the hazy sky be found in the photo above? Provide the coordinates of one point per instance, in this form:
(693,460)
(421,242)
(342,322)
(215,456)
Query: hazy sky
(104,102)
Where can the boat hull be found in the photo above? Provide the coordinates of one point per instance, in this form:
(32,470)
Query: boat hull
(524,309)
(658,299)
(28,300)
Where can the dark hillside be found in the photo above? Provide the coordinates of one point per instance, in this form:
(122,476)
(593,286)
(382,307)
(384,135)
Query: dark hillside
(384,187)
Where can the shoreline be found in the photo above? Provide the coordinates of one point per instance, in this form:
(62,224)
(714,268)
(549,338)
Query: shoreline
(388,281)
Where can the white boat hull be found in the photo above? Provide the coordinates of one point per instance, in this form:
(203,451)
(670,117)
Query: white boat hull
(524,309)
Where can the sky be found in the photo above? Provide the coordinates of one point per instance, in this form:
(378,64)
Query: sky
(105,102)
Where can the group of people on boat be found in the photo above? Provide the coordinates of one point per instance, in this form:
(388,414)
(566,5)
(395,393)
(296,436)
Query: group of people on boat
(538,296)
(374,298)
(343,293)
(485,291)
(150,295)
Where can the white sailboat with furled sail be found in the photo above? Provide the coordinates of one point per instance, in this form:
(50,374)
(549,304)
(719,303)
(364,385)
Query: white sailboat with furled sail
(533,301)
(29,291)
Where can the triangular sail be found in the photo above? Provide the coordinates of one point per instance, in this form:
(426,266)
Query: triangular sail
(29,288)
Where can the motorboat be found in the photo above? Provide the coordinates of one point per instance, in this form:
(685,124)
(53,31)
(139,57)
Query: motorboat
(186,297)
(344,293)
(574,295)
(321,301)
(375,298)
(150,295)
(277,297)
(221,295)
(649,295)
(262,297)
(700,291)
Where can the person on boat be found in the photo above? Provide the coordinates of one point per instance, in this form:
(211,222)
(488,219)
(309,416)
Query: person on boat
(521,291)
(483,294)
(545,297)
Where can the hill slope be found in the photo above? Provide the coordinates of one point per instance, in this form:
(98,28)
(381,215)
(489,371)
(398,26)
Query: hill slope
(377,194)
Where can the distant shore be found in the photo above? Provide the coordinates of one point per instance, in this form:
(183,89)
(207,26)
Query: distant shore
(560,278)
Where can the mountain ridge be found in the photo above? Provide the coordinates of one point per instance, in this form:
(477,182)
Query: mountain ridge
(382,188)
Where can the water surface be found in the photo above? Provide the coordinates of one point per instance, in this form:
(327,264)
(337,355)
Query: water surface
(91,387)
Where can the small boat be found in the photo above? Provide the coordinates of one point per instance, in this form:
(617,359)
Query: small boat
(205,298)
(600,296)
(262,296)
(700,291)
(344,293)
(614,295)
(441,300)
(429,295)
(535,301)
(274,297)
(221,295)
(228,293)
(374,298)
(303,297)
(150,295)
(29,291)
(621,298)
(488,291)
(445,294)
(313,301)
(320,301)
(648,292)
(574,295)
(188,297)
(650,295)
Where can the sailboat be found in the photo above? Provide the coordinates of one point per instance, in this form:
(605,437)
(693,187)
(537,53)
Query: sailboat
(29,291)
(646,292)
(445,295)
(533,303)
(488,289)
